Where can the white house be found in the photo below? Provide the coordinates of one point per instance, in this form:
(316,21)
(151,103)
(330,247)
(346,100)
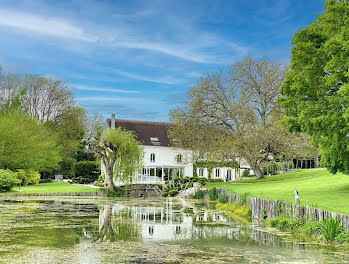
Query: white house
(162,161)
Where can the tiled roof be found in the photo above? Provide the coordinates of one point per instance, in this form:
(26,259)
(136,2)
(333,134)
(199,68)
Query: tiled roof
(145,130)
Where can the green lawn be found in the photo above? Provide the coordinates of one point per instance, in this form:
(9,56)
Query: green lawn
(316,187)
(53,187)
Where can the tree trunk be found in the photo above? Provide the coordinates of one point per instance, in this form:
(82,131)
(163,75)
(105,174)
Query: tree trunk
(108,181)
(257,171)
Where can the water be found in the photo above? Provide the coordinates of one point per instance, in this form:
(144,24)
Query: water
(141,231)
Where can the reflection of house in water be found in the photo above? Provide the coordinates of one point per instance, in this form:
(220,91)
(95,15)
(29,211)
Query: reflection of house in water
(166,224)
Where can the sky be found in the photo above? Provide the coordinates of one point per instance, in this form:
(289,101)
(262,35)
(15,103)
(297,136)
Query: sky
(138,59)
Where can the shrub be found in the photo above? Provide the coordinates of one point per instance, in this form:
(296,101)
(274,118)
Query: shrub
(223,198)
(245,173)
(164,194)
(86,171)
(173,192)
(342,237)
(28,177)
(212,194)
(244,198)
(98,183)
(116,192)
(199,194)
(330,228)
(313,228)
(202,181)
(8,180)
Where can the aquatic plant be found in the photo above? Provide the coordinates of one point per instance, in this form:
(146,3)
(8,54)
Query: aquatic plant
(330,228)
(212,194)
(223,198)
(199,194)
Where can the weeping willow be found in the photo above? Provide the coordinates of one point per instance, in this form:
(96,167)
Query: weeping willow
(121,154)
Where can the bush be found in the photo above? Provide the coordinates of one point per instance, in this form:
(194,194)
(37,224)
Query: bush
(164,194)
(330,228)
(216,180)
(173,192)
(28,177)
(116,192)
(98,183)
(245,173)
(8,180)
(313,228)
(223,198)
(199,194)
(284,223)
(342,237)
(212,194)
(86,171)
(202,181)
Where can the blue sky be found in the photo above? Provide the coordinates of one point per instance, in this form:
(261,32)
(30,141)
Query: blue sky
(138,59)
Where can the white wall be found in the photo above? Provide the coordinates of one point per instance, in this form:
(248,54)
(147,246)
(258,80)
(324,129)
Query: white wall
(167,157)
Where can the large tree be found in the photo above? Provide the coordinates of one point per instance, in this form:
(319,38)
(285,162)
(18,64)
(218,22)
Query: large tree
(25,143)
(235,116)
(120,153)
(316,90)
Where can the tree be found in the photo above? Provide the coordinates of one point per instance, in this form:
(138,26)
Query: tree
(316,90)
(237,116)
(25,143)
(69,129)
(120,153)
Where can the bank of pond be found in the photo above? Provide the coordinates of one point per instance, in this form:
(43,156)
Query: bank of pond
(166,230)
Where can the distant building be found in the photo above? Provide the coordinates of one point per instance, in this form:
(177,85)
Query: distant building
(162,161)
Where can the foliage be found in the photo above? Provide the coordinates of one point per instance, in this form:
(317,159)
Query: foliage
(235,210)
(164,193)
(316,90)
(8,180)
(245,173)
(342,237)
(223,198)
(212,194)
(236,116)
(98,183)
(199,194)
(86,171)
(120,153)
(284,223)
(173,192)
(244,198)
(330,228)
(28,176)
(69,130)
(25,143)
(116,192)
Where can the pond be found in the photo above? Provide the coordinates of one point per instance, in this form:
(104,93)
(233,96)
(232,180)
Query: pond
(59,230)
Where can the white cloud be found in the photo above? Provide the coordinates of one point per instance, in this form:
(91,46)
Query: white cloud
(101,89)
(116,99)
(43,25)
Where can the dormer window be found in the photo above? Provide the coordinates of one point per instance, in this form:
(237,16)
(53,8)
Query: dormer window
(152,157)
(179,158)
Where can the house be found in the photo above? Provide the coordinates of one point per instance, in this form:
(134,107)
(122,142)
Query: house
(162,161)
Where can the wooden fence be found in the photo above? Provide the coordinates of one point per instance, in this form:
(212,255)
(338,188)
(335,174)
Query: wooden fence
(265,209)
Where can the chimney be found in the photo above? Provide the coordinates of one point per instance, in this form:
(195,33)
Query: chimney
(112,122)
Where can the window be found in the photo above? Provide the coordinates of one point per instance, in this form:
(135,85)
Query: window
(228,175)
(152,157)
(151,230)
(144,172)
(154,139)
(217,173)
(201,172)
(152,172)
(179,158)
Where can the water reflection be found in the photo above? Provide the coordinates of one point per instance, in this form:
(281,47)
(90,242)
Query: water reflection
(140,231)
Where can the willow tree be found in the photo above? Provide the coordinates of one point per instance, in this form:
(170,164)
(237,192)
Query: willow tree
(121,155)
(235,116)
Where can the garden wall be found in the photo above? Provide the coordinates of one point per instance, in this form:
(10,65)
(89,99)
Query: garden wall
(264,209)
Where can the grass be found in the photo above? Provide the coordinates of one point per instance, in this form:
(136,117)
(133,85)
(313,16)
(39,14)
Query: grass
(53,187)
(316,187)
